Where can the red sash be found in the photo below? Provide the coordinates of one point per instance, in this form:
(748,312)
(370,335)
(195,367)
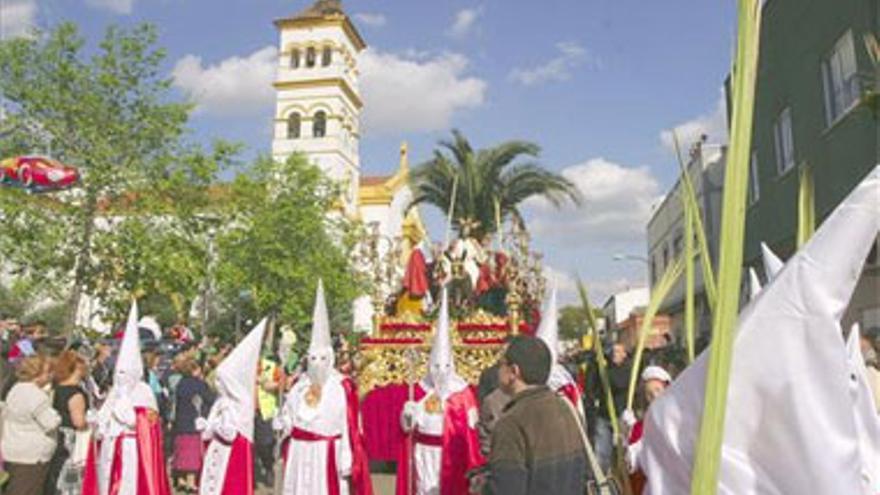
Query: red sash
(332,474)
(425,439)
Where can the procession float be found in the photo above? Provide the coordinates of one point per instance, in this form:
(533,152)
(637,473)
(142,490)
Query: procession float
(495,286)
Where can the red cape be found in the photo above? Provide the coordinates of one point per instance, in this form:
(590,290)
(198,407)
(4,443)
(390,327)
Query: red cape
(239,477)
(415,280)
(461,445)
(152,477)
(361,483)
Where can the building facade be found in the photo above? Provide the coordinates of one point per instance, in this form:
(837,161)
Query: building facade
(816,112)
(665,234)
(618,308)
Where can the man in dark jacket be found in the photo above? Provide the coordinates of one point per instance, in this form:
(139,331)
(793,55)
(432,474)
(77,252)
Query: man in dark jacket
(536,445)
(619,369)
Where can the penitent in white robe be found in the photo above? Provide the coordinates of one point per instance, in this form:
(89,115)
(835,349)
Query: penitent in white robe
(115,418)
(427,457)
(222,423)
(305,469)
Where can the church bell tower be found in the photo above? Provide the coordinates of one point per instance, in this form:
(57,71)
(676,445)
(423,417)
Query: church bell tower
(318,101)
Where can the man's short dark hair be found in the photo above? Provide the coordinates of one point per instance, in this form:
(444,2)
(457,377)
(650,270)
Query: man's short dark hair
(532,356)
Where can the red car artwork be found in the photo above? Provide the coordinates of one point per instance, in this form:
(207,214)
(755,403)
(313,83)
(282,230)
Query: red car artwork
(37,173)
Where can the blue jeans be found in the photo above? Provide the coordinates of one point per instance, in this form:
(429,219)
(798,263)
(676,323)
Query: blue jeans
(604,443)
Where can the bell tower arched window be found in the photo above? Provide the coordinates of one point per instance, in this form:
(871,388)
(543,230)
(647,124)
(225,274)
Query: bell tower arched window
(310,56)
(319,124)
(293,126)
(294,58)
(326,56)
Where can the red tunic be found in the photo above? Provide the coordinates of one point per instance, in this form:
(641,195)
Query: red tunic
(415,281)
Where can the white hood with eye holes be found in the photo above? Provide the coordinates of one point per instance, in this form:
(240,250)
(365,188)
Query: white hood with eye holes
(441,375)
(321,359)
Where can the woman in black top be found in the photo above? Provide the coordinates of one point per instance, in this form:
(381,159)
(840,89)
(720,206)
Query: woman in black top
(193,399)
(71,402)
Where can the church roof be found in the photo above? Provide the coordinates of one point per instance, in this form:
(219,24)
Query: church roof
(321,8)
(374,180)
(324,12)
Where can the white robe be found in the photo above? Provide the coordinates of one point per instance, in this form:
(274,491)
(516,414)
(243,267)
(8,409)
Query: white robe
(117,417)
(305,470)
(222,422)
(427,457)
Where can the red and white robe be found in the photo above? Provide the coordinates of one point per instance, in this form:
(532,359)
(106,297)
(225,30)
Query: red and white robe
(323,446)
(442,447)
(128,460)
(227,468)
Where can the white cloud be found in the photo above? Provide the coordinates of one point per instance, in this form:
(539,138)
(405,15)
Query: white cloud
(618,201)
(598,288)
(17,17)
(464,23)
(234,86)
(415,94)
(371,19)
(713,125)
(409,92)
(570,56)
(115,6)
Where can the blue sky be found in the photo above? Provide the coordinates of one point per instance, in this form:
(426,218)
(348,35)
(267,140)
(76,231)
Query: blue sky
(595,82)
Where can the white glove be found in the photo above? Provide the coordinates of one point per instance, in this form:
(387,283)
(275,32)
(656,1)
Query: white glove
(628,418)
(408,416)
(201,424)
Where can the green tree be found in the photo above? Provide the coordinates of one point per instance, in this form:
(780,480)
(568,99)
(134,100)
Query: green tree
(572,324)
(286,231)
(109,112)
(487,182)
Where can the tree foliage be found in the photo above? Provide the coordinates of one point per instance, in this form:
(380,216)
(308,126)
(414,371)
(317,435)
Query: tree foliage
(109,112)
(280,239)
(487,180)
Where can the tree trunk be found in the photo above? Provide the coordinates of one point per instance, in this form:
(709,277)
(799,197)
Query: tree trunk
(81,265)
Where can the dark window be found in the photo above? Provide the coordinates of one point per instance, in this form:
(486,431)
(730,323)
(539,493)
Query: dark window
(326,56)
(294,59)
(319,125)
(293,126)
(310,56)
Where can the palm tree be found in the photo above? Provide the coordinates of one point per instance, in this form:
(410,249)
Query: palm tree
(487,179)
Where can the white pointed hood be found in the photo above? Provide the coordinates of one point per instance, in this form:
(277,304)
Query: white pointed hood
(790,426)
(548,331)
(129,387)
(129,367)
(237,378)
(442,376)
(321,359)
(754,283)
(772,264)
(320,339)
